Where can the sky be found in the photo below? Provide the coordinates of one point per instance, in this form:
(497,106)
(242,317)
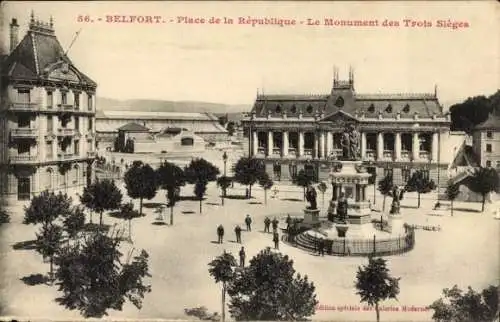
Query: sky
(229,63)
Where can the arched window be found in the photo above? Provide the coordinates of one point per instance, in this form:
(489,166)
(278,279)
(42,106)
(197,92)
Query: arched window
(278,108)
(49,179)
(309,109)
(371,108)
(388,109)
(406,109)
(76,174)
(339,102)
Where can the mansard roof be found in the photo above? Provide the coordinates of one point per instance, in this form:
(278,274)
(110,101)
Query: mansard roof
(38,54)
(345,99)
(491,123)
(133,127)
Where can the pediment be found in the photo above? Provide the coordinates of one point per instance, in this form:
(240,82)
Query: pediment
(62,71)
(340,118)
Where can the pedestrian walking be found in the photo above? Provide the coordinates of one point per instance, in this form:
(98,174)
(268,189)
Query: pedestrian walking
(237,231)
(248,222)
(321,246)
(275,223)
(267,223)
(242,257)
(220,234)
(276,240)
(288,221)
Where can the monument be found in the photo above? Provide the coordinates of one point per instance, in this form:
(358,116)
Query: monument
(311,213)
(394,215)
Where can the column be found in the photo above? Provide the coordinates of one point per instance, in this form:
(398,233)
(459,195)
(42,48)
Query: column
(322,144)
(316,145)
(329,143)
(435,146)
(301,144)
(397,145)
(358,193)
(270,143)
(415,146)
(363,145)
(380,146)
(255,143)
(334,192)
(284,147)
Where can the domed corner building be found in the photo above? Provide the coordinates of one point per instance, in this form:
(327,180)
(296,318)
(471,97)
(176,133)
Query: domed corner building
(47,117)
(400,133)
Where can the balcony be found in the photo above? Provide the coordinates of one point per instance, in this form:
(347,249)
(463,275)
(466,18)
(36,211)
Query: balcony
(65,107)
(65,132)
(261,150)
(292,151)
(65,155)
(405,155)
(24,107)
(90,135)
(24,133)
(23,159)
(308,152)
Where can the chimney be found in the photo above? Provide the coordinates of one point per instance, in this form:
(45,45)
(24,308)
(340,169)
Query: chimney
(14,34)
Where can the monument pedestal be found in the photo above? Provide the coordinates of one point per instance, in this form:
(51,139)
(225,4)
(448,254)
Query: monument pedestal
(396,222)
(311,216)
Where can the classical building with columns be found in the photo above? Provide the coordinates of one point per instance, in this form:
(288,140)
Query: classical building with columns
(47,117)
(399,132)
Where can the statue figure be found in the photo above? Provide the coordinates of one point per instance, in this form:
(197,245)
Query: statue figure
(311,197)
(342,207)
(350,143)
(397,195)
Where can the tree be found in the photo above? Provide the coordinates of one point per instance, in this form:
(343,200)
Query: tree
(223,120)
(484,181)
(171,178)
(268,289)
(74,221)
(463,307)
(303,180)
(129,146)
(322,186)
(224,182)
(266,183)
(452,191)
(93,278)
(4,217)
(420,182)
(247,171)
(127,212)
(200,172)
(48,242)
(141,182)
(385,187)
(200,188)
(374,284)
(101,196)
(231,128)
(474,110)
(221,269)
(46,208)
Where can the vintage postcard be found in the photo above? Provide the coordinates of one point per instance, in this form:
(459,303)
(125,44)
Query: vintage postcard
(243,161)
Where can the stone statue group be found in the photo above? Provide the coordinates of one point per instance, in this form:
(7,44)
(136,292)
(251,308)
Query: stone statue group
(351,144)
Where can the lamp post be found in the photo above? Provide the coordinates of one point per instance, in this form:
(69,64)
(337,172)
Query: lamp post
(224,158)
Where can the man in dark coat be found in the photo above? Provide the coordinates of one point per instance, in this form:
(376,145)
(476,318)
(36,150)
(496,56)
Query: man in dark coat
(248,222)
(242,257)
(342,207)
(220,234)
(276,240)
(237,231)
(267,223)
(288,221)
(275,223)
(321,246)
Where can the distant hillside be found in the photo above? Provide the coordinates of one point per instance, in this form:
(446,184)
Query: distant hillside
(108,104)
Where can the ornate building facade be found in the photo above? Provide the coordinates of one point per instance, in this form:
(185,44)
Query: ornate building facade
(399,132)
(47,117)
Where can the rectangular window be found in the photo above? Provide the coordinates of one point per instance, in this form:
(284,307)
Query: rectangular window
(488,148)
(77,123)
(77,147)
(89,145)
(488,163)
(77,99)
(23,96)
(489,135)
(50,99)
(23,121)
(64,98)
(90,124)
(50,124)
(89,102)
(23,148)
(48,149)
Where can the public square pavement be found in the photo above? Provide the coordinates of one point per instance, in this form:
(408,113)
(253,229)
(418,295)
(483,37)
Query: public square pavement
(464,252)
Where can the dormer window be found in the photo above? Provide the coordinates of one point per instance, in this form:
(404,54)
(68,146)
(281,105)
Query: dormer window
(339,102)
(406,109)
(309,109)
(293,109)
(278,108)
(388,109)
(371,108)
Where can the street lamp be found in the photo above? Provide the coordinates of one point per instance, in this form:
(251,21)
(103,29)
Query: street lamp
(224,158)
